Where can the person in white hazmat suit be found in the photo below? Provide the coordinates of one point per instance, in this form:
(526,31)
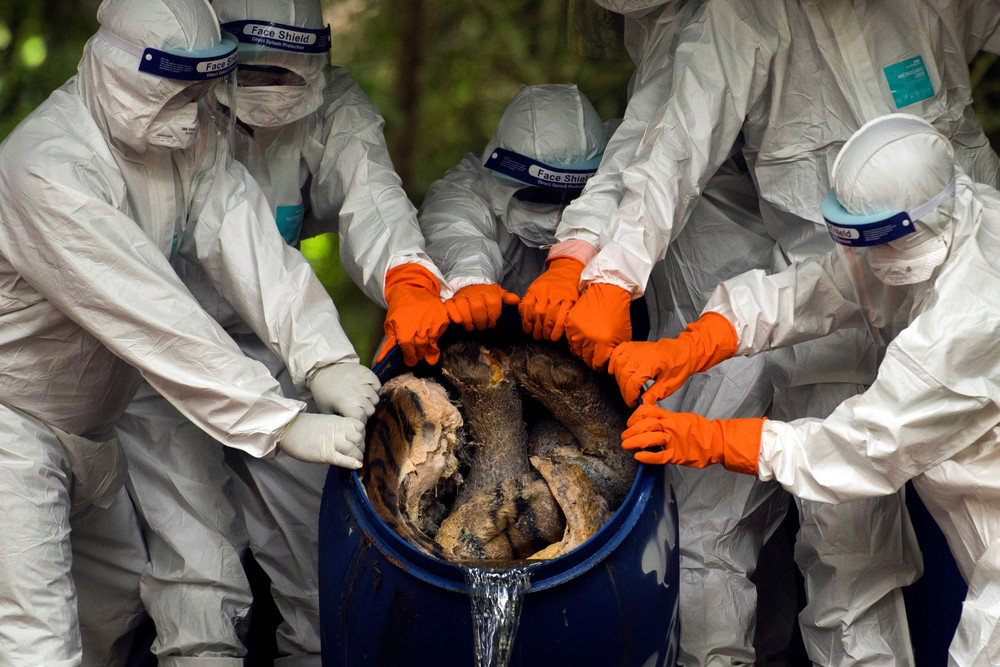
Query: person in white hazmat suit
(794,79)
(488,219)
(724,520)
(918,267)
(117,170)
(313,141)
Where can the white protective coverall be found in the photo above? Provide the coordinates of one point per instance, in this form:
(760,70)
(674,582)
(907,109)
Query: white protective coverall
(90,302)
(318,152)
(477,231)
(931,415)
(725,518)
(796,79)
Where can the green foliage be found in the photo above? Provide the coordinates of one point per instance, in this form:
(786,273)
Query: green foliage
(40,45)
(474,58)
(360,317)
(985,74)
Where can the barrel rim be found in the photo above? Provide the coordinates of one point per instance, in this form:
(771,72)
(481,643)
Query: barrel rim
(543,574)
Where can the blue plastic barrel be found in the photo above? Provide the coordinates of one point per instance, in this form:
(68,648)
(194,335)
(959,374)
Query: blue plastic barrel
(611,601)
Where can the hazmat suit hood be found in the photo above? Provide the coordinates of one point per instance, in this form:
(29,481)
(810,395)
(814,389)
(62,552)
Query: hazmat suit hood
(123,100)
(296,40)
(892,209)
(894,164)
(554,124)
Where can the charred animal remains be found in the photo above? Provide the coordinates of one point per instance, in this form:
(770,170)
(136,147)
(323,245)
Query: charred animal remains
(503,453)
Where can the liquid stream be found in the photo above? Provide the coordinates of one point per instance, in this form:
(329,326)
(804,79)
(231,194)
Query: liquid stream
(496,609)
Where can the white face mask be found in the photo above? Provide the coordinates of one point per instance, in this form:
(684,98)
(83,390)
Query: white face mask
(906,266)
(274,106)
(174,129)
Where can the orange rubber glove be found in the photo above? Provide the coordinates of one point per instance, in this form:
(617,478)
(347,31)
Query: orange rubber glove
(548,299)
(416,318)
(691,440)
(479,306)
(598,323)
(669,362)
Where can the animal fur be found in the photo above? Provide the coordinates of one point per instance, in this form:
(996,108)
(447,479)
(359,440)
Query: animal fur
(491,403)
(592,411)
(410,461)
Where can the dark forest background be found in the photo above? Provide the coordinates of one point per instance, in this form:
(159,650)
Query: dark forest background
(440,71)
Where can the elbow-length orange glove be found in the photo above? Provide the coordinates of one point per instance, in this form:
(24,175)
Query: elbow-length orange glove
(416,317)
(479,306)
(598,323)
(669,362)
(692,440)
(548,299)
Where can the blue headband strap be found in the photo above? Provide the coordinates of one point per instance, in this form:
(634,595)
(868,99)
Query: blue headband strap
(280,36)
(849,229)
(196,65)
(539,174)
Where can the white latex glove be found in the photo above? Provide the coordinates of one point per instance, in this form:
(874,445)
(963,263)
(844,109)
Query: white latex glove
(339,441)
(346,389)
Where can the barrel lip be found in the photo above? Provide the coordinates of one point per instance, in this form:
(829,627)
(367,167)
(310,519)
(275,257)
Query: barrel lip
(544,574)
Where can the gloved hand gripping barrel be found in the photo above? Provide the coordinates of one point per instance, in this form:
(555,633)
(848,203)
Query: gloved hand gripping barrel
(393,585)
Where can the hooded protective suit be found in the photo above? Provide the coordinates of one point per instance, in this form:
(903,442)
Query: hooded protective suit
(932,412)
(91,302)
(724,519)
(480,229)
(314,144)
(322,149)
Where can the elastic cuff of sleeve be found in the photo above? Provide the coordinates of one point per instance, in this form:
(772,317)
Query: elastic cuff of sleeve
(769,449)
(456,284)
(610,283)
(579,250)
(270,454)
(617,281)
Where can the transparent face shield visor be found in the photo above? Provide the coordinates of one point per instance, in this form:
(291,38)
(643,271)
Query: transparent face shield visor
(542,189)
(270,92)
(888,257)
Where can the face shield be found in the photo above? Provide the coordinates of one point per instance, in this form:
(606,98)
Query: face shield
(889,255)
(543,190)
(199,79)
(280,72)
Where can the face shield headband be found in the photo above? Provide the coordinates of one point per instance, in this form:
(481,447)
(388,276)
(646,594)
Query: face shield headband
(197,65)
(545,184)
(279,36)
(877,228)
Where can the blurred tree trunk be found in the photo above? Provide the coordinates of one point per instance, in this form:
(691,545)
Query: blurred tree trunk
(410,59)
(595,32)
